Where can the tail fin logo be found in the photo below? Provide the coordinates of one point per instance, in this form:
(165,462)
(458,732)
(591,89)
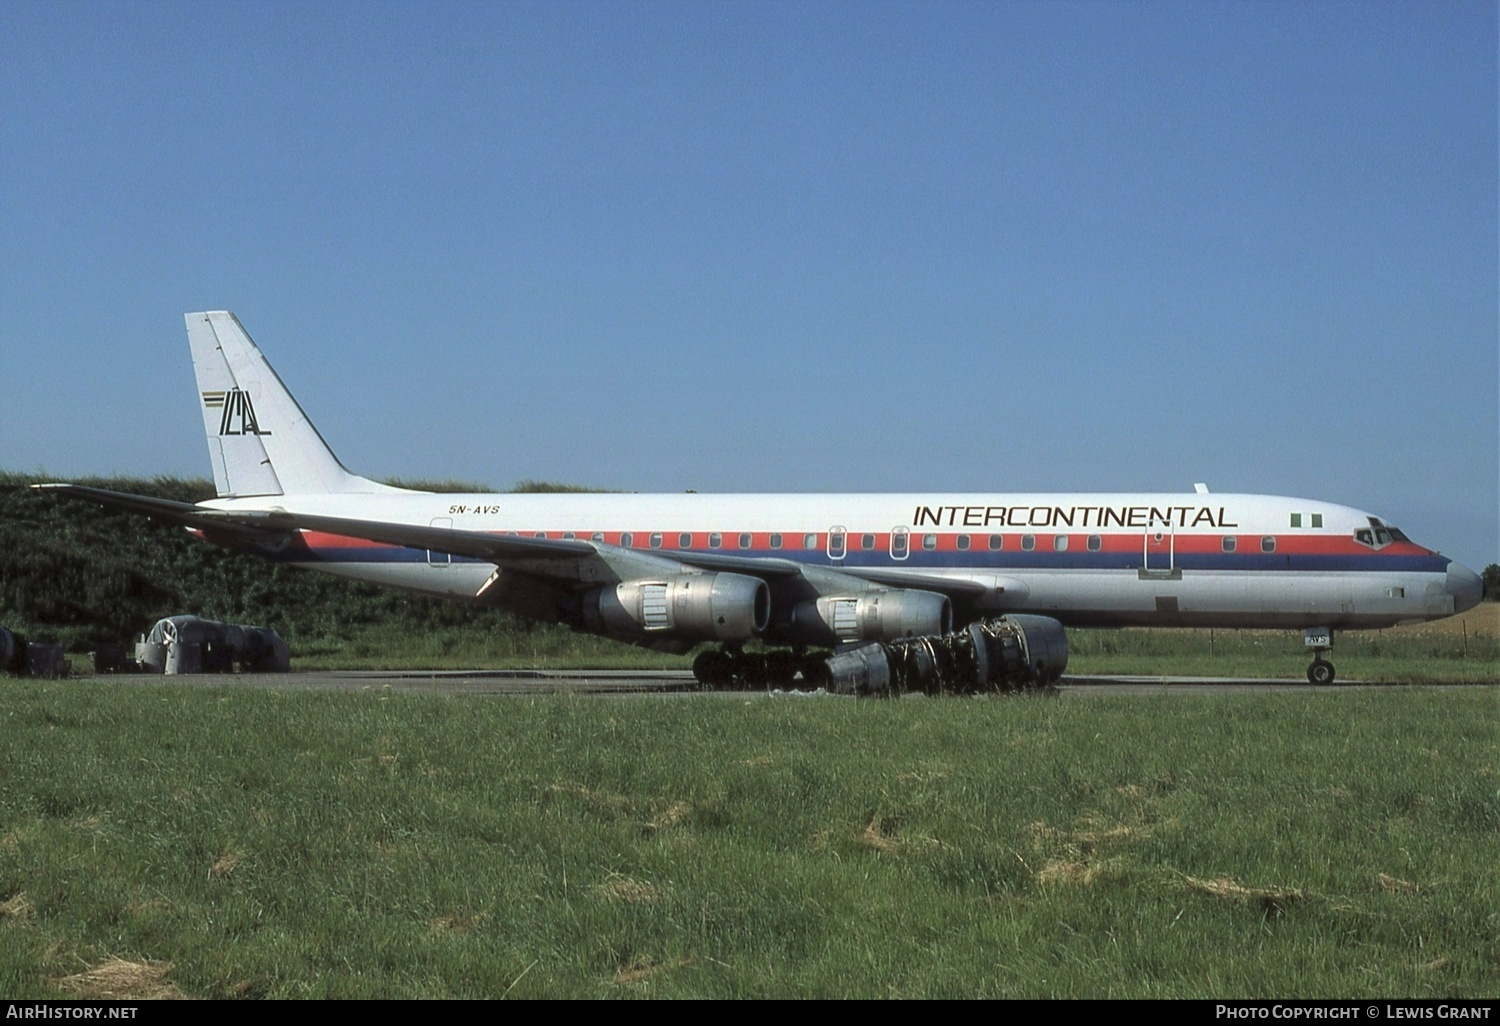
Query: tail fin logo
(239,412)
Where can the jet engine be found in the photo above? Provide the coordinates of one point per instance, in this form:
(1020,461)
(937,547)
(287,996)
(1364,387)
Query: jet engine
(1011,652)
(872,616)
(697,607)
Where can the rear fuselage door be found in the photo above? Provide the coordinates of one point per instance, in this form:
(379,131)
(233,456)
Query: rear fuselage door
(1159,546)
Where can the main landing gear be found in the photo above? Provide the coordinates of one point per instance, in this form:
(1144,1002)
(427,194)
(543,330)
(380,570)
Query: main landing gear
(1320,640)
(738,669)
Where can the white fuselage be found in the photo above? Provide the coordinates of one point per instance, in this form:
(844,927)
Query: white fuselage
(1086,559)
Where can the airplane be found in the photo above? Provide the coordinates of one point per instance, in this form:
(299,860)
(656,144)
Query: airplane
(813,577)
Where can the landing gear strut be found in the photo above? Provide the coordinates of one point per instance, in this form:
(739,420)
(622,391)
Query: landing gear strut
(1320,640)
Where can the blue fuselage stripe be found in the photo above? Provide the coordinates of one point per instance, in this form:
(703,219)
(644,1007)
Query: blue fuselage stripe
(979,561)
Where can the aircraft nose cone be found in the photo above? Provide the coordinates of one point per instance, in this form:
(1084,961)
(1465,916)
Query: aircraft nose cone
(1465,587)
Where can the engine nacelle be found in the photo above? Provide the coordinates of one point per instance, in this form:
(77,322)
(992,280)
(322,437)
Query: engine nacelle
(1046,645)
(699,607)
(872,616)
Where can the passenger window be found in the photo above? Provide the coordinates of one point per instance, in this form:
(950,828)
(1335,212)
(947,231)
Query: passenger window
(809,541)
(929,541)
(1268,544)
(744,541)
(656,539)
(541,534)
(1317,520)
(1296,519)
(1060,543)
(963,543)
(775,541)
(627,540)
(684,540)
(867,542)
(716,540)
(569,535)
(1229,543)
(597,536)
(1028,542)
(1095,543)
(996,541)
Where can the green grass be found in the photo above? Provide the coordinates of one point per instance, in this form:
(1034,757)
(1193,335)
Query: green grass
(1463,650)
(530,646)
(249,843)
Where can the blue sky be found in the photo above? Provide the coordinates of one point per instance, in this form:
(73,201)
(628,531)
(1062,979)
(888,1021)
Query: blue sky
(774,247)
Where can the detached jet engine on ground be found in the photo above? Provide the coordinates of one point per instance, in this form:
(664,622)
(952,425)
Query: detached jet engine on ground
(941,592)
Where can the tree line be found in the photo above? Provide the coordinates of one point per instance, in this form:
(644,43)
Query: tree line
(81,574)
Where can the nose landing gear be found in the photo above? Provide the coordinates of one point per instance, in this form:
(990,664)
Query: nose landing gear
(1320,640)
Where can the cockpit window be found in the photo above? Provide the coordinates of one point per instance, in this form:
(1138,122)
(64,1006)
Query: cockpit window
(1378,535)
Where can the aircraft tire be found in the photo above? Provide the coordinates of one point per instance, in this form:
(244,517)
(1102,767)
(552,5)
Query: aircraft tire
(712,669)
(750,668)
(1320,673)
(815,670)
(781,667)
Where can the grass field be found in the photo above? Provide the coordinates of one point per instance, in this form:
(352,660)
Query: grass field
(160,841)
(1462,649)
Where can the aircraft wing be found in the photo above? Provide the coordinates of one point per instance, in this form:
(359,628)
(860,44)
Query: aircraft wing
(954,587)
(555,558)
(508,549)
(772,569)
(167,511)
(264,524)
(494,548)
(160,509)
(768,568)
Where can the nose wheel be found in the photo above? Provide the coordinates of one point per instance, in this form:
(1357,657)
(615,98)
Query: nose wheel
(1320,672)
(1319,640)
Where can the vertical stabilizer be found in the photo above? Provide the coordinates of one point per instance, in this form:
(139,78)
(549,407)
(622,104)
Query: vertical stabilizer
(259,440)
